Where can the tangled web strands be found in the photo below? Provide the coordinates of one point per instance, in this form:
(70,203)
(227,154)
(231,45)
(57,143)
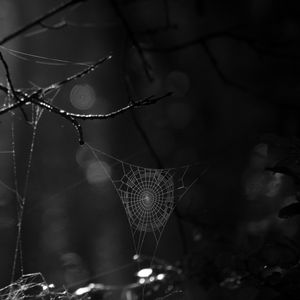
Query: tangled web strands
(33,286)
(149,196)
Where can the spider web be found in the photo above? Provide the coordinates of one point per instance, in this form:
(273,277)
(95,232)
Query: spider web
(42,60)
(37,111)
(32,114)
(32,286)
(20,194)
(149,196)
(12,187)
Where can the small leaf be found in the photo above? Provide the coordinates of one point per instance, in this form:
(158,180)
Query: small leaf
(290,210)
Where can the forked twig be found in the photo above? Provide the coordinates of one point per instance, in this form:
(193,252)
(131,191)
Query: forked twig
(39,20)
(131,36)
(10,84)
(37,98)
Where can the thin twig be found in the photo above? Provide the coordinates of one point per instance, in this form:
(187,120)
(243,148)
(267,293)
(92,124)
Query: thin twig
(146,65)
(35,98)
(203,41)
(189,43)
(76,76)
(56,26)
(219,71)
(159,29)
(11,86)
(39,20)
(264,49)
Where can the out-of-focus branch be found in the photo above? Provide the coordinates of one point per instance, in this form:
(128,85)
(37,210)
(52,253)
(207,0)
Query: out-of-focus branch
(265,48)
(59,25)
(203,41)
(157,30)
(39,20)
(131,36)
(219,70)
(261,47)
(190,43)
(168,24)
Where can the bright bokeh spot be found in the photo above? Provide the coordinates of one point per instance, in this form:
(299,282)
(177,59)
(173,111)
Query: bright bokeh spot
(178,83)
(82,96)
(143,273)
(160,276)
(84,156)
(97,172)
(82,291)
(136,257)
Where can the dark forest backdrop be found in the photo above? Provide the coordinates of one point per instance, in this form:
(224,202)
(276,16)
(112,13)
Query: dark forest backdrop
(233,68)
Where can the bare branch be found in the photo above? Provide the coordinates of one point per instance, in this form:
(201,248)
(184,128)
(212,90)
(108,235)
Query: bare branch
(11,86)
(129,32)
(56,26)
(78,75)
(38,95)
(39,20)
(36,98)
(261,48)
(157,30)
(190,43)
(219,71)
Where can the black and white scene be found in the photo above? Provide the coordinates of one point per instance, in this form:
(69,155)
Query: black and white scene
(149,150)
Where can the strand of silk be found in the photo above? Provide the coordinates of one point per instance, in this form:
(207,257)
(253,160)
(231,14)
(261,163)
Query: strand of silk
(22,202)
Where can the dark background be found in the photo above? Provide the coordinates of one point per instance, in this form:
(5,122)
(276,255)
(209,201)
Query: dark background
(233,68)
